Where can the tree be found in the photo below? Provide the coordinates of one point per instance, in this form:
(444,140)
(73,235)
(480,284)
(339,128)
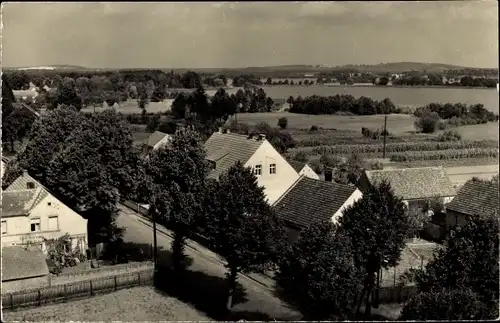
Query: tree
(462,279)
(318,275)
(153,123)
(177,174)
(241,225)
(283,122)
(378,225)
(427,123)
(179,106)
(269,81)
(222,106)
(66,94)
(159,93)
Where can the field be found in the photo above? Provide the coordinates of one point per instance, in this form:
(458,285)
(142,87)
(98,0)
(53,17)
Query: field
(135,304)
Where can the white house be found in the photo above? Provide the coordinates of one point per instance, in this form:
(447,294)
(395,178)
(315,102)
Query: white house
(274,173)
(30,213)
(156,140)
(304,169)
(310,200)
(32,92)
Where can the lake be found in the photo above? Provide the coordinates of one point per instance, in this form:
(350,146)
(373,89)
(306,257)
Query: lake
(403,96)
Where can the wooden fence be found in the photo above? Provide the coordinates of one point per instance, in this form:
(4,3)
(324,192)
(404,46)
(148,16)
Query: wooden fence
(76,290)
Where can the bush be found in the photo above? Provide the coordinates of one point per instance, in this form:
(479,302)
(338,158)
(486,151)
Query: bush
(427,123)
(450,135)
(314,128)
(376,166)
(300,156)
(283,122)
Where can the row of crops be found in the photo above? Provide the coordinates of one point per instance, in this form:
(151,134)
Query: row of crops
(410,156)
(404,147)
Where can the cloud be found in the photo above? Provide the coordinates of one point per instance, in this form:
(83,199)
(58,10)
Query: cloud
(176,34)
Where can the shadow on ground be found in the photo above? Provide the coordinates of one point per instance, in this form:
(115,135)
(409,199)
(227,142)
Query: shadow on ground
(144,251)
(206,293)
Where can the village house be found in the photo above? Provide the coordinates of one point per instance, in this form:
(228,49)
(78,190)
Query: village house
(30,214)
(310,200)
(475,197)
(23,268)
(155,141)
(416,186)
(31,93)
(303,169)
(274,173)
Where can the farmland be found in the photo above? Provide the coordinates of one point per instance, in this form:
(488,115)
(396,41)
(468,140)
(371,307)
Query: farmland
(135,304)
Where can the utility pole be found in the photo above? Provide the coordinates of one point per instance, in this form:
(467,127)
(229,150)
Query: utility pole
(155,253)
(385,133)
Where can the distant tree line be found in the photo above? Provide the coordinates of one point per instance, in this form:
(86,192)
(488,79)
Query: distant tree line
(458,110)
(435,79)
(340,103)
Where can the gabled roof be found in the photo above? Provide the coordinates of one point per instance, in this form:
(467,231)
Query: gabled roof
(16,203)
(20,185)
(476,197)
(311,200)
(226,149)
(155,138)
(18,263)
(298,166)
(415,183)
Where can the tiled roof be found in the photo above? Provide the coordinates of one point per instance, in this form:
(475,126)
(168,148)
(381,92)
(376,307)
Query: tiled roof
(298,166)
(310,200)
(226,149)
(155,138)
(415,183)
(18,202)
(21,184)
(476,197)
(18,263)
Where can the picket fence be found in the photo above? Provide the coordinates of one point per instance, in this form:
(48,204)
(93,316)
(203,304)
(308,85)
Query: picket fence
(76,290)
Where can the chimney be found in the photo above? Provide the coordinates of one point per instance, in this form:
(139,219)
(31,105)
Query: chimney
(262,136)
(228,130)
(328,174)
(220,130)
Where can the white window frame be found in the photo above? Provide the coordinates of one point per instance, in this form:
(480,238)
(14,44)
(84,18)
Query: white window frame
(4,223)
(258,170)
(57,223)
(272,168)
(35,221)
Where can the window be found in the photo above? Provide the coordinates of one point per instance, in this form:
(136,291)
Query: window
(272,169)
(35,225)
(258,170)
(53,223)
(4,227)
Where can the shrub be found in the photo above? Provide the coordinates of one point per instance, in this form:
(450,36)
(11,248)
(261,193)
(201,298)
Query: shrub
(428,122)
(376,166)
(450,135)
(300,156)
(283,122)
(314,128)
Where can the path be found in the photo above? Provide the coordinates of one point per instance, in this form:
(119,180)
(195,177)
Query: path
(258,288)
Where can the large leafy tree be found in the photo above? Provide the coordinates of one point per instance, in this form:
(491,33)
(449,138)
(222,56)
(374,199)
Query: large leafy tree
(318,275)
(378,225)
(241,226)
(66,95)
(87,161)
(177,173)
(462,280)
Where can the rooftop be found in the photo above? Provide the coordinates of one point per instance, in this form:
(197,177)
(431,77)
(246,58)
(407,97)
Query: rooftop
(20,186)
(476,197)
(18,202)
(298,166)
(415,183)
(155,138)
(311,200)
(226,149)
(19,263)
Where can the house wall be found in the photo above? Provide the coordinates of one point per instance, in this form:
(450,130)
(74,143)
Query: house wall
(350,201)
(274,184)
(308,172)
(19,232)
(455,218)
(11,286)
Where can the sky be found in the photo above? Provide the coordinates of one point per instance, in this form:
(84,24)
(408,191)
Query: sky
(217,34)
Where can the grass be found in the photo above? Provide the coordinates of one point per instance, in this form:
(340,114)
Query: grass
(135,304)
(396,123)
